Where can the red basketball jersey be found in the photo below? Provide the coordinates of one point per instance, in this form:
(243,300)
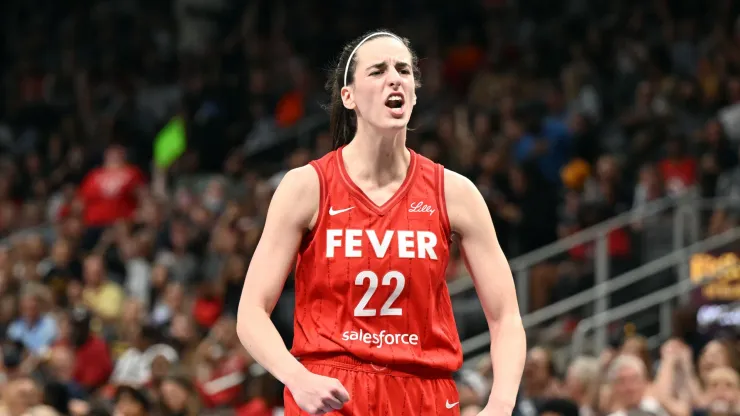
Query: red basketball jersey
(370,280)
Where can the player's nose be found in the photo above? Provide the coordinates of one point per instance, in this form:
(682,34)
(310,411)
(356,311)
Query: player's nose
(393,78)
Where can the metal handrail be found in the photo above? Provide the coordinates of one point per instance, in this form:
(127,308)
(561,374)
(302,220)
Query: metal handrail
(591,233)
(598,232)
(661,297)
(590,295)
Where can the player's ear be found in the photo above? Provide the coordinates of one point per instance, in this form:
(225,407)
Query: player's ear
(348,97)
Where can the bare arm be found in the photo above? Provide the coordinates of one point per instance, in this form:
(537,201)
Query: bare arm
(292,211)
(674,402)
(470,219)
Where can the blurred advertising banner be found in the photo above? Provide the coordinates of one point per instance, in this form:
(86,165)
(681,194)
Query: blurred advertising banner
(717,295)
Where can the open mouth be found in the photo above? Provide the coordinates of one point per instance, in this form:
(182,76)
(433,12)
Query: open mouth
(394,100)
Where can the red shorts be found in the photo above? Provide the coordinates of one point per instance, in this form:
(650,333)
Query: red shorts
(381,391)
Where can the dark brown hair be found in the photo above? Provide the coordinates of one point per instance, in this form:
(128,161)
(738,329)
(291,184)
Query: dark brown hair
(342,121)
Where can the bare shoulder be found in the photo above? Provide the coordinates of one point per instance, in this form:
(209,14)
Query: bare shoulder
(297,196)
(465,204)
(303,180)
(457,185)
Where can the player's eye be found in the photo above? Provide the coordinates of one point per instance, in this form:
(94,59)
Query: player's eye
(405,72)
(374,73)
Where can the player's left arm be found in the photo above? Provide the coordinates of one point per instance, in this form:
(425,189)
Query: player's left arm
(471,221)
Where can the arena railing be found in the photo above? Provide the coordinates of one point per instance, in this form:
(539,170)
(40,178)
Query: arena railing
(598,233)
(680,258)
(663,298)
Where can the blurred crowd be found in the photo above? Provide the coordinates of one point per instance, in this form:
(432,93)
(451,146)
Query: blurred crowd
(629,380)
(119,281)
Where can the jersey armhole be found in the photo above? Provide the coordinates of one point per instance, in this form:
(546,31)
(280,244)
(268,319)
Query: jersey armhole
(441,201)
(308,239)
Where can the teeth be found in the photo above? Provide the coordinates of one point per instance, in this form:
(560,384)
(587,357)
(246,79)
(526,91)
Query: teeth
(394,98)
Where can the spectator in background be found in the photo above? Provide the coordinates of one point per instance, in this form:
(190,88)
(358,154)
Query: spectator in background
(628,384)
(170,303)
(678,170)
(558,407)
(606,188)
(61,366)
(637,346)
(717,353)
(547,147)
(88,348)
(530,211)
(221,366)
(109,193)
(35,328)
(649,188)
(179,398)
(102,296)
(181,263)
(473,388)
(716,156)
(138,270)
(539,381)
(722,393)
(59,269)
(19,396)
(671,386)
(134,366)
(131,401)
(582,384)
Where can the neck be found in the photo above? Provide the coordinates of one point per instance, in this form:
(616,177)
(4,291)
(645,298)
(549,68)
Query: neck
(377,156)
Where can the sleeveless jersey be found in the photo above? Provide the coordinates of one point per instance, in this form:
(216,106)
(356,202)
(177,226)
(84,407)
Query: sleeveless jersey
(370,280)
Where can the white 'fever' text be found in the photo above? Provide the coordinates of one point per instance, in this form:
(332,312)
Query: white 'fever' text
(411,244)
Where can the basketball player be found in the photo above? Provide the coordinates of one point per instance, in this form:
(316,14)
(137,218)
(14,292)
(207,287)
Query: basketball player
(371,224)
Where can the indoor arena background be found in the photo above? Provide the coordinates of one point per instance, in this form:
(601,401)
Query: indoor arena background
(603,135)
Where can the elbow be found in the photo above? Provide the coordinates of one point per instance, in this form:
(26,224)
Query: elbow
(511,319)
(509,325)
(518,326)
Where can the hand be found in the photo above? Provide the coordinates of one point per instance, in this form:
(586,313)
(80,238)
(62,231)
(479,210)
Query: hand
(670,349)
(686,358)
(317,394)
(606,357)
(676,350)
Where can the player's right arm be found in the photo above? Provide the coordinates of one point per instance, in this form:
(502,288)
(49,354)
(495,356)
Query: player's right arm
(292,212)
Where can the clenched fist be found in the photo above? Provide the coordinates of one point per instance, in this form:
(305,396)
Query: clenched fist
(317,394)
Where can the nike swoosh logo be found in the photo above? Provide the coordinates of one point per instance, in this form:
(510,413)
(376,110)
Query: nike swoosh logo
(332,211)
(450,405)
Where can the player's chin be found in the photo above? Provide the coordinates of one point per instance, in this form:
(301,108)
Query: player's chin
(395,123)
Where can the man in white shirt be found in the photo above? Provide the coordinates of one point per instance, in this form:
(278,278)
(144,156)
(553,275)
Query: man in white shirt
(629,384)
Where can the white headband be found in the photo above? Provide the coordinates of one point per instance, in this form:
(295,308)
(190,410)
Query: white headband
(368,37)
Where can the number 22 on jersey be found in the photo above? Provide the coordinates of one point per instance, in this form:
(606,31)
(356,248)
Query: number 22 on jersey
(390,278)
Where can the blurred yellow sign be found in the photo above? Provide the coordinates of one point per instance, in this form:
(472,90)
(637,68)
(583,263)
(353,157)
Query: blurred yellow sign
(725,287)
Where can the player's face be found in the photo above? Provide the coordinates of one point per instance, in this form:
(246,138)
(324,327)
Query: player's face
(383,92)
